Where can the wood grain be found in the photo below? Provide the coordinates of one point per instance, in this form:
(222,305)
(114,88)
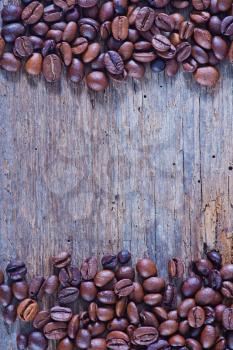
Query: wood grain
(147,165)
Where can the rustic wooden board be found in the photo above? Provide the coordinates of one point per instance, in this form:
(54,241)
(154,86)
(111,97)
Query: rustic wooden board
(146,165)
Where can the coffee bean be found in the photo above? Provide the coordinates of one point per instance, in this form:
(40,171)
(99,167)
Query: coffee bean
(52,14)
(158,65)
(120,27)
(118,324)
(83,339)
(32,12)
(177,340)
(52,68)
(171,68)
(208,337)
(203,38)
(59,313)
(227,272)
(76,74)
(227,289)
(125,272)
(165,22)
(113,62)
(54,34)
(144,19)
(65,52)
(161,43)
(70,32)
(185,306)
(124,256)
(132,313)
(11,13)
(40,28)
(227,26)
(27,310)
(175,265)
(214,278)
(207,76)
(227,318)
(72,14)
(199,54)
(20,290)
(91,53)
(89,268)
(193,344)
(2,278)
(148,319)
(65,344)
(144,336)
(36,287)
(186,30)
(183,51)
(146,268)
(144,57)
(209,314)
(97,81)
(153,299)
(196,317)
(71,275)
(120,6)
(96,328)
(55,330)
(9,62)
(116,340)
(213,255)
(230,340)
(37,42)
(61,260)
(73,326)
(68,295)
(79,46)
(201,5)
(168,328)
(160,344)
(200,17)
(41,319)
(51,284)
(88,28)
(87,3)
(107,297)
(106,11)
(124,287)
(105,30)
(5,295)
(22,342)
(9,314)
(190,65)
(160,313)
(36,340)
(121,306)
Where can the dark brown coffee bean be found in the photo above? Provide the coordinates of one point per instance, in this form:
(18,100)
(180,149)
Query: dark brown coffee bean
(71,275)
(227,289)
(32,13)
(54,34)
(9,314)
(214,277)
(91,52)
(36,340)
(209,314)
(65,52)
(49,47)
(113,62)
(88,290)
(160,313)
(186,30)
(97,81)
(153,299)
(190,65)
(207,76)
(203,38)
(36,287)
(183,51)
(20,290)
(126,50)
(105,32)
(65,344)
(177,340)
(40,28)
(184,328)
(169,291)
(121,306)
(98,64)
(148,319)
(144,336)
(171,68)
(59,313)
(160,344)
(96,328)
(109,261)
(52,14)
(79,46)
(27,310)
(175,39)
(87,3)
(41,319)
(207,296)
(201,56)
(105,314)
(196,317)
(227,318)
(91,12)
(118,324)
(75,73)
(68,295)
(52,68)
(120,6)
(201,5)
(146,268)
(51,284)
(124,256)
(11,31)
(185,306)
(63,4)
(9,62)
(120,27)
(16,270)
(135,69)
(88,28)
(132,313)
(227,272)
(107,297)
(116,340)
(103,277)
(11,13)
(168,328)
(98,344)
(124,287)
(193,344)
(5,294)
(37,42)
(73,326)
(83,339)
(175,265)
(55,330)
(62,260)
(201,17)
(145,19)
(2,49)
(125,272)
(106,11)
(165,22)
(70,32)
(154,284)
(89,268)
(22,342)
(227,26)
(144,57)
(208,337)
(214,256)
(161,43)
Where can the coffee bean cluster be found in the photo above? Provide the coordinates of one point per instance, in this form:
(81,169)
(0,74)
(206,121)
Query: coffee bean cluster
(122,308)
(116,39)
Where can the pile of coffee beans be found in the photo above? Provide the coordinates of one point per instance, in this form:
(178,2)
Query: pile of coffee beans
(118,307)
(116,38)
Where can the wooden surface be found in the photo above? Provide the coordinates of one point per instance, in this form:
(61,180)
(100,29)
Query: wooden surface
(146,166)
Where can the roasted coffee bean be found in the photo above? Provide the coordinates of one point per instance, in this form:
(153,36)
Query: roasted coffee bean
(161,43)
(32,13)
(5,293)
(51,284)
(83,339)
(144,19)
(87,3)
(71,275)
(62,260)
(168,328)
(49,47)
(41,319)
(200,17)
(22,342)
(185,306)
(107,297)
(227,289)
(9,314)
(213,255)
(59,313)
(79,46)
(193,344)
(208,337)
(37,340)
(27,310)
(144,336)
(88,290)
(124,256)
(200,55)
(106,11)
(207,296)
(160,313)
(120,6)
(190,65)
(146,268)
(207,76)
(118,324)
(89,268)
(171,68)
(105,314)
(125,272)
(113,62)
(165,22)
(96,329)
(98,64)
(132,313)
(144,57)
(204,39)
(11,13)
(40,28)
(116,340)
(52,14)
(148,319)
(109,261)
(72,14)
(20,290)
(154,299)
(227,272)
(121,306)
(168,295)
(55,330)
(227,318)
(175,39)
(219,311)
(186,30)
(52,68)
(37,42)
(227,26)
(209,314)
(126,51)
(88,28)
(175,265)
(2,278)
(58,25)
(201,5)
(160,344)
(54,34)
(68,295)
(196,317)
(214,277)
(65,344)
(9,62)
(36,287)
(120,26)
(97,81)
(177,340)
(70,32)
(76,74)
(183,51)
(105,30)
(73,326)
(103,277)
(16,270)
(184,328)
(124,287)
(91,52)
(92,311)
(91,12)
